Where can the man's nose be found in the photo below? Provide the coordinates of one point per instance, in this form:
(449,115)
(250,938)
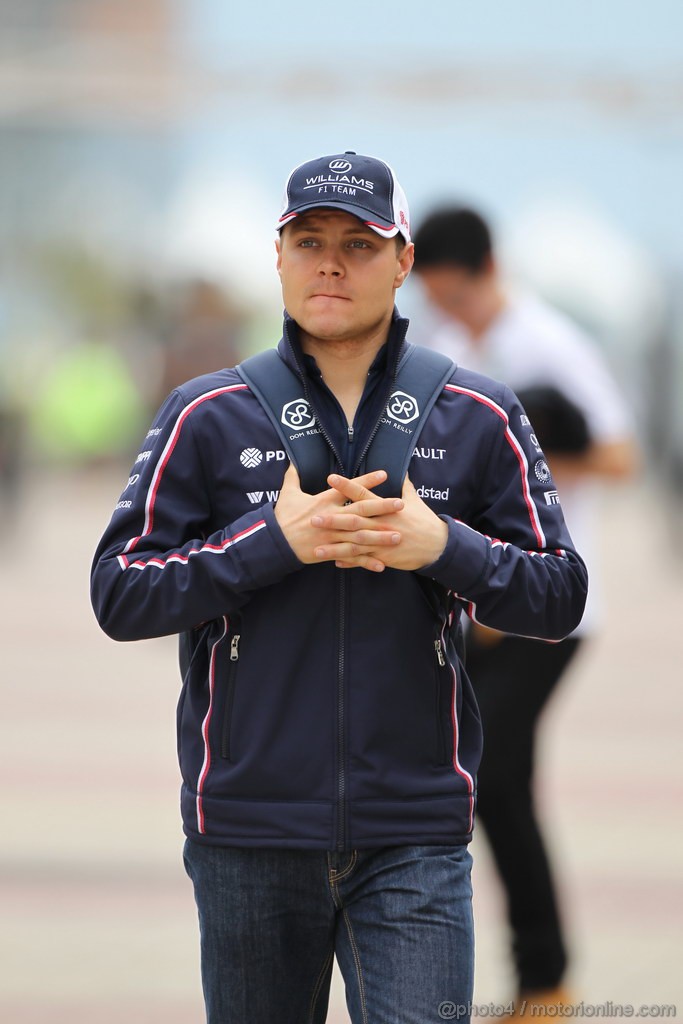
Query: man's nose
(331,265)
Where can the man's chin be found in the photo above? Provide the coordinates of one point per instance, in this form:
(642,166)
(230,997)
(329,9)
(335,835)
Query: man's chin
(325,329)
(329,328)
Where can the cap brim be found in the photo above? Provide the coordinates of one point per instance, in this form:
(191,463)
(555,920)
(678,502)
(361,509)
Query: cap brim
(384,228)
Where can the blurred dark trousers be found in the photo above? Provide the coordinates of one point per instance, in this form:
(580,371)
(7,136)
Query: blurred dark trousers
(399,920)
(513,679)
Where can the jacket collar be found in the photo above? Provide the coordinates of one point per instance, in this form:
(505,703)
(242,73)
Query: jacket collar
(387,358)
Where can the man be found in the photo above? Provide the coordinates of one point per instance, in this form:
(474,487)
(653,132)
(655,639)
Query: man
(580,420)
(328,736)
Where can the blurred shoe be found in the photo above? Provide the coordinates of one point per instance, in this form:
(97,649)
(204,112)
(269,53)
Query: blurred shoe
(546,1002)
(533,1005)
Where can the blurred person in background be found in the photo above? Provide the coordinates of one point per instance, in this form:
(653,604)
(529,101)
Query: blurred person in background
(12,428)
(89,410)
(327,735)
(583,426)
(204,333)
(12,424)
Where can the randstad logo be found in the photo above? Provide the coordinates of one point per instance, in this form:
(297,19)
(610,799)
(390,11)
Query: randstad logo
(402,407)
(297,415)
(340,166)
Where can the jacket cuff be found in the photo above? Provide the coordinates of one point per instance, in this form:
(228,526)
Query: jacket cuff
(289,562)
(463,562)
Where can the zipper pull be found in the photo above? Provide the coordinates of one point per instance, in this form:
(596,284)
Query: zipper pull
(350,433)
(234,647)
(439,653)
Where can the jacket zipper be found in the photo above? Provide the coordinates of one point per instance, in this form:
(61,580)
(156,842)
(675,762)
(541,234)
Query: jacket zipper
(341,652)
(341,715)
(230,696)
(341,592)
(341,684)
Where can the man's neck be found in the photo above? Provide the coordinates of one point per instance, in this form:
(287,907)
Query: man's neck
(344,365)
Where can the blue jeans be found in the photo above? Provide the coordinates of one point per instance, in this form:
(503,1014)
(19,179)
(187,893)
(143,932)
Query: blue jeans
(399,920)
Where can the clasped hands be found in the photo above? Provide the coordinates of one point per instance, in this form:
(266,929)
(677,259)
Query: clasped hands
(354,528)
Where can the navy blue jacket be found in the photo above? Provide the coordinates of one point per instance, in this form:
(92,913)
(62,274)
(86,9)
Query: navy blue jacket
(326,708)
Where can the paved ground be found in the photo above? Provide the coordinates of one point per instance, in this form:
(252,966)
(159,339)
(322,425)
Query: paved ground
(98,922)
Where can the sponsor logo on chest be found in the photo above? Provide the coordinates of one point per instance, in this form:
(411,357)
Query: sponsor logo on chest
(253,457)
(429,453)
(434,493)
(258,497)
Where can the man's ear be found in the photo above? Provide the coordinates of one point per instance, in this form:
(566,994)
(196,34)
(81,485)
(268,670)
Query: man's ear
(405,264)
(489,266)
(278,250)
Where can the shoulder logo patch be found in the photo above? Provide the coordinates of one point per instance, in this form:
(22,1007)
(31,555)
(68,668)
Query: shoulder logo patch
(542,472)
(402,407)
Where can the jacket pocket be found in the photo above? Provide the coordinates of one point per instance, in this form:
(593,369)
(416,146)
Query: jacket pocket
(226,741)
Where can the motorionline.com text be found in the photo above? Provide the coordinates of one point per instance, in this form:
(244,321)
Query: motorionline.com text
(460,1011)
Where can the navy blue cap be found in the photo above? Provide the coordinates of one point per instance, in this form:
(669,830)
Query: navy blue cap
(361,185)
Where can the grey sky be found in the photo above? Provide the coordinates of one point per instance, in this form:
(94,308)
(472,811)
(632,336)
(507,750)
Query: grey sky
(622,33)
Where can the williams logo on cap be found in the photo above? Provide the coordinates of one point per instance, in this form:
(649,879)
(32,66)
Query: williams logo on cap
(364,186)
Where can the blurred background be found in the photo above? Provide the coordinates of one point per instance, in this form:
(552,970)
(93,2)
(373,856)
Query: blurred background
(144,146)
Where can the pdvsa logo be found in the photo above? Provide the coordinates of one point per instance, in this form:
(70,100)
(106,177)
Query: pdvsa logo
(340,166)
(251,457)
(297,415)
(402,407)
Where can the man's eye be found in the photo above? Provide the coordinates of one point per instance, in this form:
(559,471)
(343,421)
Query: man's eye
(307,243)
(359,243)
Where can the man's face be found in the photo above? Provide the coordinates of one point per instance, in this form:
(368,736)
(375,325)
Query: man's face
(339,277)
(459,293)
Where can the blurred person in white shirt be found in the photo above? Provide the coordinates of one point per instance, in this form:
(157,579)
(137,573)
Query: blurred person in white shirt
(585,432)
